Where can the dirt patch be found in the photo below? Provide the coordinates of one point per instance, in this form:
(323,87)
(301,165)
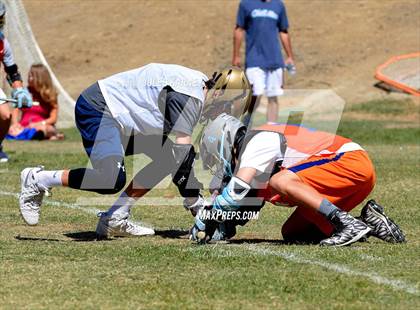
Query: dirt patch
(338,44)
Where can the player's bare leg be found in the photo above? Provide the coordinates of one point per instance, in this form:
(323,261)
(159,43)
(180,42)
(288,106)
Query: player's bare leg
(115,221)
(272,109)
(347,228)
(136,191)
(36,183)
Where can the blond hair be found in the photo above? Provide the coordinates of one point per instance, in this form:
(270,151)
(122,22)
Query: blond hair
(42,83)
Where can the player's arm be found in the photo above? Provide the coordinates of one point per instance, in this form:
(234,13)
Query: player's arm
(14,78)
(52,118)
(13,75)
(12,72)
(181,114)
(283,26)
(230,199)
(184,177)
(287,45)
(238,34)
(257,156)
(236,190)
(15,117)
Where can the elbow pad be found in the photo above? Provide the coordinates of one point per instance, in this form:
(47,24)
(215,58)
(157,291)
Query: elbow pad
(183,176)
(13,74)
(232,195)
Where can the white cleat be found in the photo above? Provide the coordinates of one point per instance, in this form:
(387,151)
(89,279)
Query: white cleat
(31,195)
(118,225)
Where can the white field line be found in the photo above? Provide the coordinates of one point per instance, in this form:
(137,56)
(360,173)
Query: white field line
(71,206)
(373,277)
(370,257)
(57,203)
(293,257)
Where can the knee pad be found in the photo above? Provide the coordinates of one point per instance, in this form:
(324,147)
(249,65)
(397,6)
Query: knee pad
(114,176)
(107,177)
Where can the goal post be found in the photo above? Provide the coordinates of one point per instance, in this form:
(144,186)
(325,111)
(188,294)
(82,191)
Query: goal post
(401,72)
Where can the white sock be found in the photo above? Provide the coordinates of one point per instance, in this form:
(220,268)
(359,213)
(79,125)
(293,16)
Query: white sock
(50,178)
(122,205)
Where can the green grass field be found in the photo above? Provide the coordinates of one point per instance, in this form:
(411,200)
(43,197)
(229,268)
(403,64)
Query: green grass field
(58,264)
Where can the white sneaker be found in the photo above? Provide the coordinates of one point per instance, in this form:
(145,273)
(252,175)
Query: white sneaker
(118,225)
(31,195)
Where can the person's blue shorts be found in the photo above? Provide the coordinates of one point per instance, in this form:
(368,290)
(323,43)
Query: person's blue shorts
(26,134)
(100,133)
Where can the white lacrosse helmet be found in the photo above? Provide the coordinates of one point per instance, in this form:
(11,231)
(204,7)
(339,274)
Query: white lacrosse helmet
(217,142)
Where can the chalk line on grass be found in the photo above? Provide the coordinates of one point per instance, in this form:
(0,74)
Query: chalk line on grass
(373,277)
(57,203)
(293,257)
(71,206)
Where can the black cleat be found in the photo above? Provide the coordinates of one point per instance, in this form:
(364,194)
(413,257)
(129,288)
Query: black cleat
(382,226)
(347,230)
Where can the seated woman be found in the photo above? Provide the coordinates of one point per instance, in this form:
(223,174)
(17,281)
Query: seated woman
(37,122)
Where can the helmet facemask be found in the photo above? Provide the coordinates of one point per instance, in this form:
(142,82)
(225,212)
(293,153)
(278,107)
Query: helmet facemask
(225,159)
(217,144)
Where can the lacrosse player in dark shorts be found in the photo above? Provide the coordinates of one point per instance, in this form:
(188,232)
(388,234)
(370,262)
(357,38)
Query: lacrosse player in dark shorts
(134,112)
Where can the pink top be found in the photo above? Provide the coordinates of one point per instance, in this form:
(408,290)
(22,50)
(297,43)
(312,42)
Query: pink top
(36,113)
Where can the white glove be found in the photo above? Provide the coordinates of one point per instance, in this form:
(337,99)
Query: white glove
(195,204)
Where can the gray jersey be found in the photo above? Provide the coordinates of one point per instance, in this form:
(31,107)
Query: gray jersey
(132,96)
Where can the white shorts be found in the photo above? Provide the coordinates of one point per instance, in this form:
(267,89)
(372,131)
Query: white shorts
(270,81)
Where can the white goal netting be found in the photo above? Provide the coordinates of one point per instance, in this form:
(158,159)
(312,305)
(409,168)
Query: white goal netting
(26,51)
(405,71)
(402,72)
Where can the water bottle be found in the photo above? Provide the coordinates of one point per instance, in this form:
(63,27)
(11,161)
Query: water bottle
(291,69)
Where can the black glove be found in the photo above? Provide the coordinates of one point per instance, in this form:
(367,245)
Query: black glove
(184,177)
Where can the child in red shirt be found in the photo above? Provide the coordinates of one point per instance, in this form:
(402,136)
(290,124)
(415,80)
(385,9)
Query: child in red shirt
(39,119)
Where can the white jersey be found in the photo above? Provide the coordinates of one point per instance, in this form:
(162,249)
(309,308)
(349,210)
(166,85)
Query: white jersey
(264,149)
(132,96)
(261,153)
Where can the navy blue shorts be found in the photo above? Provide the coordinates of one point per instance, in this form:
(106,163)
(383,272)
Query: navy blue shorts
(100,133)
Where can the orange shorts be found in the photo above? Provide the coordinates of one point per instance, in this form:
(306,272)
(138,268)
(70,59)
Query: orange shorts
(345,179)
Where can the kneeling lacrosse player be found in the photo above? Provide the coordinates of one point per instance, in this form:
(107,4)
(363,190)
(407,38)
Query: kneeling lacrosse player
(134,112)
(322,174)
